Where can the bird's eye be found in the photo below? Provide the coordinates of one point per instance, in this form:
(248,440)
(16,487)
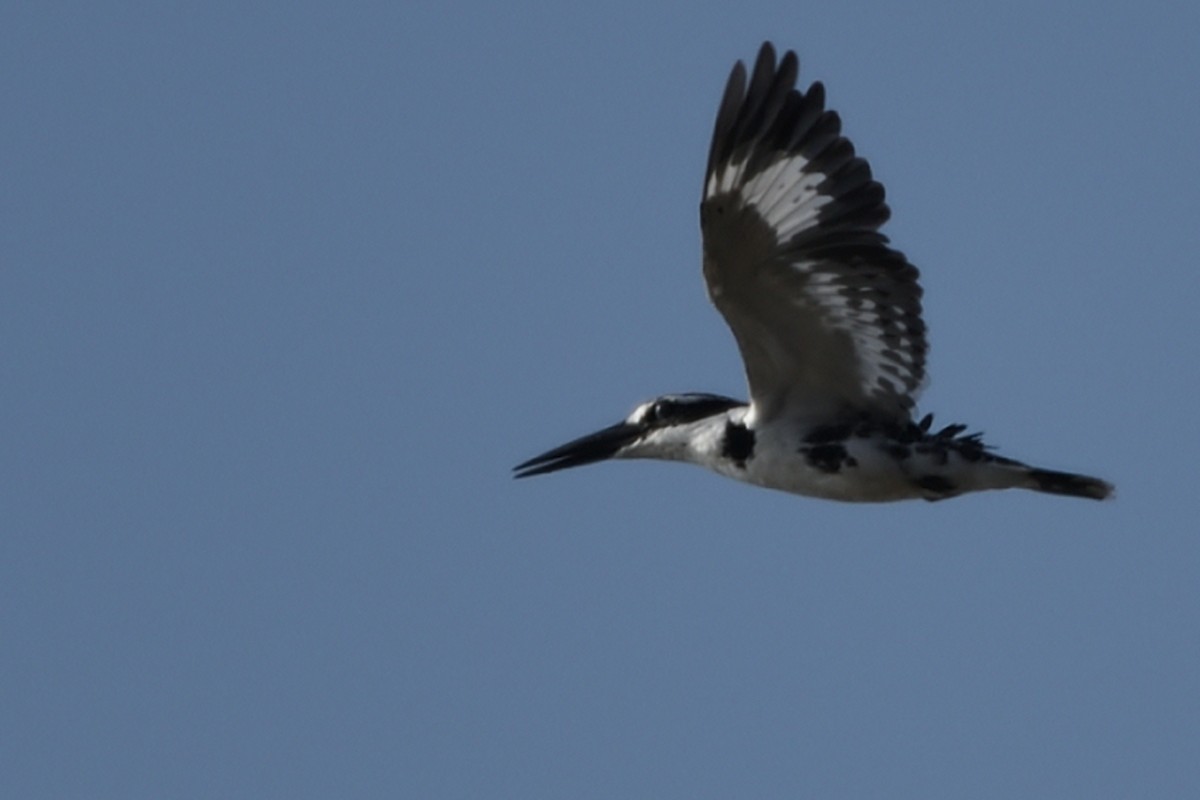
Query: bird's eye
(653,413)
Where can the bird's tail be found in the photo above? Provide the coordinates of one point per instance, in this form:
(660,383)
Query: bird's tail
(998,472)
(1066,483)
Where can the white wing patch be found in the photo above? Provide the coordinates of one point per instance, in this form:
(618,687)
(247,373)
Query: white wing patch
(786,196)
(785,193)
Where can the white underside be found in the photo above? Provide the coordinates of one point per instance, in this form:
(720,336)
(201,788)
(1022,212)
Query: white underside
(876,475)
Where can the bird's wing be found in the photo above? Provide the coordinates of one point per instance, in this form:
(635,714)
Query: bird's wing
(827,317)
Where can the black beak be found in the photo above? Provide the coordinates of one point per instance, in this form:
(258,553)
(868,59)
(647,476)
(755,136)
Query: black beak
(585,450)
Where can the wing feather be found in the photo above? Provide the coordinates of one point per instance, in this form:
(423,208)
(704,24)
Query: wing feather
(826,315)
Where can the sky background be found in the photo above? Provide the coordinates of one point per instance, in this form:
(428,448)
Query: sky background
(286,290)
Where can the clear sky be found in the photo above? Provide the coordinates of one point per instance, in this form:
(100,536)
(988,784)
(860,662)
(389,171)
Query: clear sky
(286,290)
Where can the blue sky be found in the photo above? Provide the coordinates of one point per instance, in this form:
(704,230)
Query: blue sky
(287,290)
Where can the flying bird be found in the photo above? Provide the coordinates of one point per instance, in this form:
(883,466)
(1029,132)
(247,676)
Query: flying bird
(827,318)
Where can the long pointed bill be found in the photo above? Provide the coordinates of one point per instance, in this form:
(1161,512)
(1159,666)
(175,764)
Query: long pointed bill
(588,449)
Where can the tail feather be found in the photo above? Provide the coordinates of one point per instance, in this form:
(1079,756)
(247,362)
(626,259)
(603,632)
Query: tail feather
(1069,484)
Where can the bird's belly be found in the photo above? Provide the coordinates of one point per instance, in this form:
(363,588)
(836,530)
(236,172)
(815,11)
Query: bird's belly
(851,471)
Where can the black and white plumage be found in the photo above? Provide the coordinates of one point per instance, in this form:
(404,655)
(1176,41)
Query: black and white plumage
(827,318)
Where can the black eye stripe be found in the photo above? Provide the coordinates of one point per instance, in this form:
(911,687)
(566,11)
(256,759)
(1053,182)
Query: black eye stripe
(684,408)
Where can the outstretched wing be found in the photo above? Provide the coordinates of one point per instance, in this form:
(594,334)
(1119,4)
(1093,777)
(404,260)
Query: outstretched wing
(827,317)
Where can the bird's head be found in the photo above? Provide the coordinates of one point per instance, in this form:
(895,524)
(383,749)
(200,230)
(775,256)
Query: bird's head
(659,428)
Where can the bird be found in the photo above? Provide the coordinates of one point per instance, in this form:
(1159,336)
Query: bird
(827,320)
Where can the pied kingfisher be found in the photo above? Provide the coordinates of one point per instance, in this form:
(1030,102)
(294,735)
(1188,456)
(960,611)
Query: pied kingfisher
(827,318)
